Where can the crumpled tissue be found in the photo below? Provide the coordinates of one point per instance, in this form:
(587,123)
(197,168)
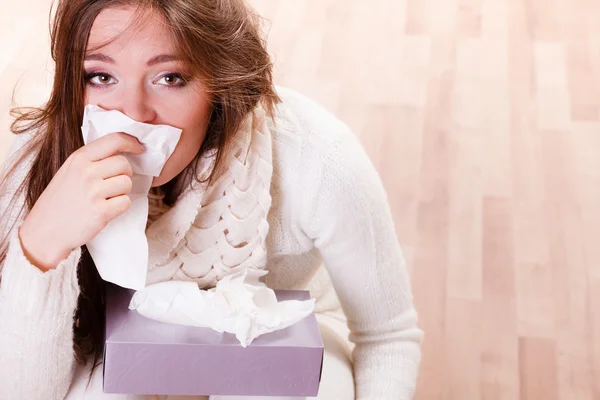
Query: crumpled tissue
(120,250)
(239,304)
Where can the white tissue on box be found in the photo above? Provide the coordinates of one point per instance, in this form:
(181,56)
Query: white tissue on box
(120,251)
(240,304)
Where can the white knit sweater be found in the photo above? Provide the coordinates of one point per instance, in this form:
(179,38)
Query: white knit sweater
(328,208)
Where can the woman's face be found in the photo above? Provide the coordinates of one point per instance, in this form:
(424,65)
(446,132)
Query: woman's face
(138,73)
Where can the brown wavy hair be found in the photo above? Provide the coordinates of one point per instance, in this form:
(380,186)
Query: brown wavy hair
(222,43)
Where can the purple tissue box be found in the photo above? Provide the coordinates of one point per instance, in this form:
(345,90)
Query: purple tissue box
(147,357)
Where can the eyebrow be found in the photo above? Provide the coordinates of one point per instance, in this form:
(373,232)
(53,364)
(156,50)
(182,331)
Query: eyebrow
(99,57)
(162,58)
(159,59)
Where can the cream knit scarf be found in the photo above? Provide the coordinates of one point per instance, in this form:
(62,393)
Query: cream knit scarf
(217,230)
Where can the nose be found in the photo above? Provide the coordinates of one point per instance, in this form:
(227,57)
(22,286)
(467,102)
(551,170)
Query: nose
(136,104)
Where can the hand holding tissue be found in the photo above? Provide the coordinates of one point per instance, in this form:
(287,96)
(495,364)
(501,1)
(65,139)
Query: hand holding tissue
(120,250)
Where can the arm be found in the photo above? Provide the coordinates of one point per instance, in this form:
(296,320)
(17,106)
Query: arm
(36,309)
(350,222)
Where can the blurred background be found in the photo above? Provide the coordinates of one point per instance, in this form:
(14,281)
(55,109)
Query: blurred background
(483,119)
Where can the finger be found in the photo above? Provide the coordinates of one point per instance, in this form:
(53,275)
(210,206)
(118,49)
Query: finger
(112,144)
(116,186)
(113,166)
(116,206)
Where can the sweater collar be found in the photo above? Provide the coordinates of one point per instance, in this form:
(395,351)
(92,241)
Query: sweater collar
(169,229)
(248,160)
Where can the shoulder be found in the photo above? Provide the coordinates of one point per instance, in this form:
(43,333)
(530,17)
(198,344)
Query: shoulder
(303,121)
(14,173)
(308,139)
(314,138)
(18,161)
(320,161)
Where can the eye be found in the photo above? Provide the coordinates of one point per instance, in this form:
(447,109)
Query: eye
(172,79)
(100,79)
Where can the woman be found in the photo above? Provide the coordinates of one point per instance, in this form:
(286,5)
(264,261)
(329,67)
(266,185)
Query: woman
(199,65)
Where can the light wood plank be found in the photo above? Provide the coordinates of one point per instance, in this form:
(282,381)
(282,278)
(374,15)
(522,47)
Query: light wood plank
(499,350)
(537,364)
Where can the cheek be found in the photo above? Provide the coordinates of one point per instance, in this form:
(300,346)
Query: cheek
(194,125)
(88,98)
(184,154)
(192,137)
(187,149)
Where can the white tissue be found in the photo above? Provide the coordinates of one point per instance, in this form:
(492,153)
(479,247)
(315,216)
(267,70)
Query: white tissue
(240,304)
(120,251)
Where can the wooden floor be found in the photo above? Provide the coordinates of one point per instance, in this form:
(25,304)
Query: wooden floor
(483,117)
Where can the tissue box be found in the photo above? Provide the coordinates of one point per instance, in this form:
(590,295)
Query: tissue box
(146,357)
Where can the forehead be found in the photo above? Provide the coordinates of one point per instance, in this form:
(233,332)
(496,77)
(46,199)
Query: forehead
(129,29)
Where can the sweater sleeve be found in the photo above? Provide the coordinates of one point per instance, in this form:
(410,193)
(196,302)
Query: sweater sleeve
(351,225)
(36,308)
